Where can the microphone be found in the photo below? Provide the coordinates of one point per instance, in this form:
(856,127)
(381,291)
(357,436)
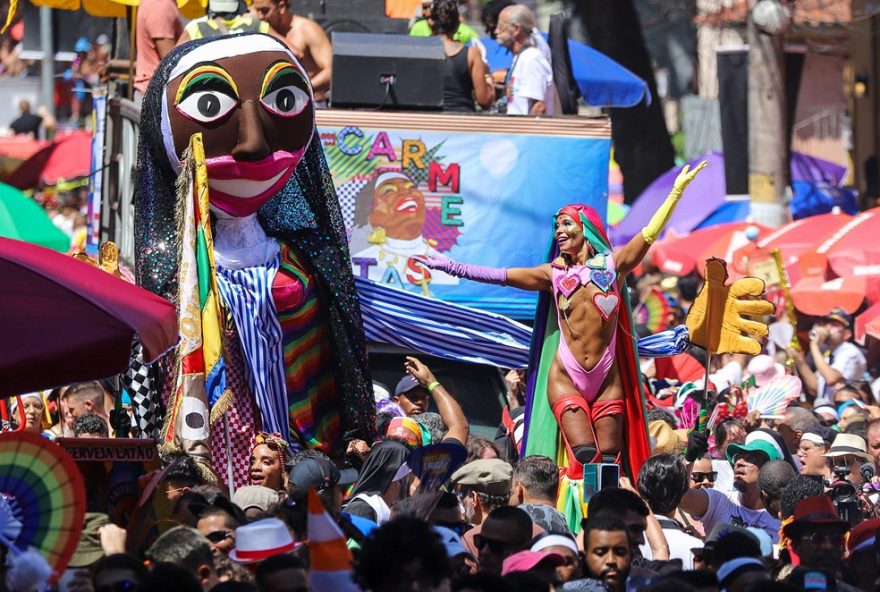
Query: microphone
(867,472)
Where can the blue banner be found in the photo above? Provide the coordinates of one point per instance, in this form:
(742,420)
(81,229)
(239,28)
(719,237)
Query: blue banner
(479,198)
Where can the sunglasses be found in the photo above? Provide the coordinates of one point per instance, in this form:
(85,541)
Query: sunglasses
(496,547)
(218,536)
(710,476)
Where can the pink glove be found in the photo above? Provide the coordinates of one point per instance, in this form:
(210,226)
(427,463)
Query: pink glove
(479,273)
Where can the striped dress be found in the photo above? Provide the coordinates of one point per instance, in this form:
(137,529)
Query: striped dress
(308,361)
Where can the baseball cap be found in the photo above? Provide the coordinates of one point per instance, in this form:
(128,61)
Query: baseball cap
(320,473)
(406,384)
(486,475)
(841,316)
(526,560)
(254,496)
(223,6)
(756,441)
(451,541)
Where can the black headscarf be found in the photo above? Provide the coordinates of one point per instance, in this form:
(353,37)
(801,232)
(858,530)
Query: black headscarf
(380,467)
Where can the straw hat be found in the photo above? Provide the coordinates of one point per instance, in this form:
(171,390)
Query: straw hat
(849,445)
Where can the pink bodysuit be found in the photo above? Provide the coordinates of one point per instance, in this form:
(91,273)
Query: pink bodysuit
(587,382)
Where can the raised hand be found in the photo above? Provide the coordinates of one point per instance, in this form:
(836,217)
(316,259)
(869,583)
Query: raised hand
(685,177)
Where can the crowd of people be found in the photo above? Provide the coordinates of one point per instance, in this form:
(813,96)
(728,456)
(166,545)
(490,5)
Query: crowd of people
(752,504)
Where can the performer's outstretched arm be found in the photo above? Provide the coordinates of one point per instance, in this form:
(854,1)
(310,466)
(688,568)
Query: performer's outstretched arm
(628,257)
(524,278)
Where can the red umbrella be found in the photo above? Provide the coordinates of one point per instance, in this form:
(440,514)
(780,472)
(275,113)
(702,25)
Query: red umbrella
(65,321)
(681,255)
(868,323)
(815,296)
(683,367)
(792,240)
(68,157)
(854,251)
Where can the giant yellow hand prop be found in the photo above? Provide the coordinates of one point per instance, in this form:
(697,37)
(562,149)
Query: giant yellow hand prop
(715,320)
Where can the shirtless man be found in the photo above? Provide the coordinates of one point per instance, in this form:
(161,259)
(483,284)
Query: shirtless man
(584,385)
(305,38)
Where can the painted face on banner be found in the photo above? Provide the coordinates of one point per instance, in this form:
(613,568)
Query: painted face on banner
(252,102)
(398,206)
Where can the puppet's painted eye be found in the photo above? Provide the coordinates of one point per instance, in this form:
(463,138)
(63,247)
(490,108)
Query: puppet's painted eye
(206,94)
(284,91)
(207,106)
(286,102)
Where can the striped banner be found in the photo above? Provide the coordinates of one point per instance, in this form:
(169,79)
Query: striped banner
(441,328)
(466,334)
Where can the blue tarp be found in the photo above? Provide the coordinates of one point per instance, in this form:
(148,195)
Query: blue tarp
(729,211)
(602,81)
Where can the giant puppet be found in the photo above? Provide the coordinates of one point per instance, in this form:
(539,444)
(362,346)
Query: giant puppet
(237,222)
(589,372)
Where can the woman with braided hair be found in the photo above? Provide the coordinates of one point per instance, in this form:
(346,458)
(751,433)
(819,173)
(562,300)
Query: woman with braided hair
(270,462)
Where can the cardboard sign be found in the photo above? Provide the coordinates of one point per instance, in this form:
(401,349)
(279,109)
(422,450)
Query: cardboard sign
(112,468)
(110,449)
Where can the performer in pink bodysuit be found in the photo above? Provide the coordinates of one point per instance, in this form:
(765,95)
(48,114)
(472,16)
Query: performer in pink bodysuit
(588,390)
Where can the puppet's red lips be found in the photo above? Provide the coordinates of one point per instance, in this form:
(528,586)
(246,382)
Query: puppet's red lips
(232,181)
(224,168)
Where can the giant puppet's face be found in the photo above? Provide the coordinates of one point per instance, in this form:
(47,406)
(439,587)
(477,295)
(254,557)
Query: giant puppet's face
(252,102)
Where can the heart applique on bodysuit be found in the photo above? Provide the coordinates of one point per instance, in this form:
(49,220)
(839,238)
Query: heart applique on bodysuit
(606,304)
(568,284)
(596,261)
(603,278)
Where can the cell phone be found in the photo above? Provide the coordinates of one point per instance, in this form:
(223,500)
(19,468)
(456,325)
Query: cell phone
(598,476)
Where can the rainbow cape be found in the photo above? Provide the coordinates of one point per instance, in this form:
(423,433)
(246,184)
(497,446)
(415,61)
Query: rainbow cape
(542,433)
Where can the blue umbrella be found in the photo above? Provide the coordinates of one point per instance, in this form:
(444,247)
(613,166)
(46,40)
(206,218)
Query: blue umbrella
(602,81)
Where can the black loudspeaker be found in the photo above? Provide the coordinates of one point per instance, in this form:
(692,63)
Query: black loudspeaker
(371,9)
(387,71)
(350,16)
(346,24)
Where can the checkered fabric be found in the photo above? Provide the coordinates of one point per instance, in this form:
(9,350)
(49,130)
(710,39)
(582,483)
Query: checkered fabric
(140,381)
(233,435)
(347,194)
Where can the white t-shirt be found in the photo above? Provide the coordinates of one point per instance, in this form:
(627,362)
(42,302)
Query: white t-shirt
(680,543)
(847,359)
(727,509)
(531,77)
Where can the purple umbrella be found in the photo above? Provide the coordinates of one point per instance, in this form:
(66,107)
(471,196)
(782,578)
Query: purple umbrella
(814,170)
(703,196)
(707,193)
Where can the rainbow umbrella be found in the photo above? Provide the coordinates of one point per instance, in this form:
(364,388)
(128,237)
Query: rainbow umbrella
(44,499)
(23,219)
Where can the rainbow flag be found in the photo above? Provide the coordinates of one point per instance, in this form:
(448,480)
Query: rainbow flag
(330,558)
(200,383)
